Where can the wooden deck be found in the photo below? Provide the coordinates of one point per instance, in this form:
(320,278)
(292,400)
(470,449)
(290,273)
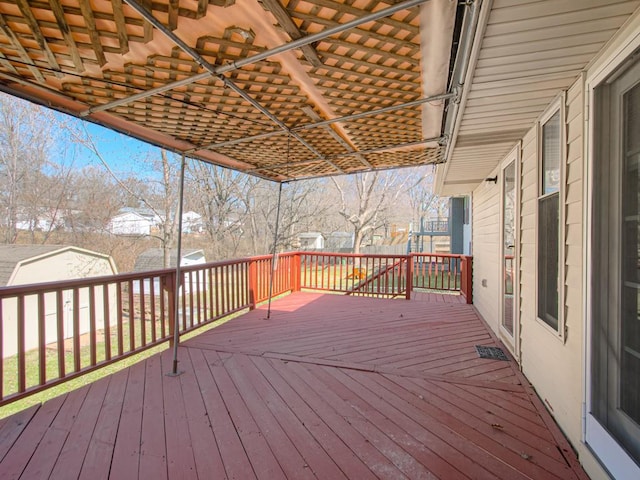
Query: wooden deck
(330,387)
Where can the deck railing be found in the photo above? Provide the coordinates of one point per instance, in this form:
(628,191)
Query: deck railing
(437,271)
(52,332)
(377,275)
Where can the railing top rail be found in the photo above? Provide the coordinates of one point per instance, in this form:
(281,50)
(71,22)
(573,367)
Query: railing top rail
(375,255)
(34,288)
(442,255)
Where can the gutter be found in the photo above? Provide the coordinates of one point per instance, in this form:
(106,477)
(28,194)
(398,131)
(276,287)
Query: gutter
(472,33)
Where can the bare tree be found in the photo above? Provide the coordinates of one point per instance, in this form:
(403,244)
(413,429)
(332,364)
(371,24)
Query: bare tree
(424,201)
(299,211)
(158,193)
(167,188)
(94,200)
(367,198)
(29,134)
(217,194)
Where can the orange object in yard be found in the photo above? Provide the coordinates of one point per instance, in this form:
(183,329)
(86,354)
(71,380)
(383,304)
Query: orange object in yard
(358,273)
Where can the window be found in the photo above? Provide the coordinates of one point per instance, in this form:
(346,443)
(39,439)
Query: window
(549,220)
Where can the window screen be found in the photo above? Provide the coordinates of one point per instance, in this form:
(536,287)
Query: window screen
(551,155)
(549,222)
(548,234)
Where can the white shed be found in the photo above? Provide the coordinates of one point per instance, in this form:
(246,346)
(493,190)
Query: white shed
(153,259)
(311,241)
(29,264)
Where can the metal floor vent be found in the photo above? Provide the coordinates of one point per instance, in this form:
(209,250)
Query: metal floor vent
(494,353)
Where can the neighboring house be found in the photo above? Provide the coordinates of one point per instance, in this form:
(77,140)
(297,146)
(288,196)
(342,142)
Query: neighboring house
(546,139)
(130,223)
(143,222)
(45,221)
(153,259)
(192,222)
(30,264)
(311,241)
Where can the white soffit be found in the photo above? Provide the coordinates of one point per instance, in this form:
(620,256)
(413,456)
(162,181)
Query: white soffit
(530,51)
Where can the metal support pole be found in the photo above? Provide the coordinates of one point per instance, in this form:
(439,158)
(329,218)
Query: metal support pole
(178,283)
(273,258)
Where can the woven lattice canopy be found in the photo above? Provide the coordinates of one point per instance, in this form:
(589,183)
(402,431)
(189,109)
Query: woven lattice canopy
(282,89)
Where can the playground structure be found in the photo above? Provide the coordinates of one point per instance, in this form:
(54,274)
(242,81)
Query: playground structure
(430,228)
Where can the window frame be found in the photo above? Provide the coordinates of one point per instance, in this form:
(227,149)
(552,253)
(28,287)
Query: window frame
(557,106)
(599,441)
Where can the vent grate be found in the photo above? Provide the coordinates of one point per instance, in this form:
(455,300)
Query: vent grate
(493,353)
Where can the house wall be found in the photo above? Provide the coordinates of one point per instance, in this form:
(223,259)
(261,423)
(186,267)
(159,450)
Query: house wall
(486,251)
(543,350)
(129,224)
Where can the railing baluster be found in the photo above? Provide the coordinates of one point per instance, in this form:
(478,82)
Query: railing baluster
(42,341)
(132,317)
(228,285)
(92,327)
(217,292)
(191,302)
(21,345)
(106,301)
(211,314)
(236,286)
(143,314)
(317,267)
(75,305)
(181,286)
(163,309)
(60,333)
(120,318)
(199,299)
(152,307)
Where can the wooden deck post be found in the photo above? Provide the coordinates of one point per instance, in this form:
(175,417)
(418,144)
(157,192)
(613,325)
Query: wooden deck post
(466,278)
(409,283)
(253,283)
(295,273)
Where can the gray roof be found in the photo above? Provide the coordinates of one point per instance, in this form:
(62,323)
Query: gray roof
(11,255)
(153,259)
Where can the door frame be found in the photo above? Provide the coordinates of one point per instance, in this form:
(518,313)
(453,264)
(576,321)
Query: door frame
(512,342)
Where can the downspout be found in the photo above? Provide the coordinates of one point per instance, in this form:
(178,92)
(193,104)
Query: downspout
(460,68)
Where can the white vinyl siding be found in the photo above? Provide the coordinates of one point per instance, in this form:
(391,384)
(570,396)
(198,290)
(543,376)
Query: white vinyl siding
(541,352)
(531,50)
(573,294)
(486,251)
(529,196)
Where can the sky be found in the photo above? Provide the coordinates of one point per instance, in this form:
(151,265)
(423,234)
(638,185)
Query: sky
(124,154)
